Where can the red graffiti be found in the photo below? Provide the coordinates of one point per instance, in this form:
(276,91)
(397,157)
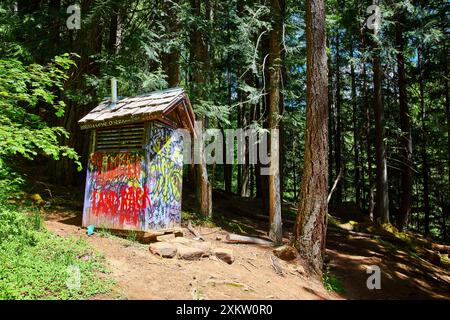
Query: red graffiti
(122,165)
(112,194)
(127,205)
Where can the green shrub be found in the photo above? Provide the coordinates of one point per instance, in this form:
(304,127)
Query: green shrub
(34,263)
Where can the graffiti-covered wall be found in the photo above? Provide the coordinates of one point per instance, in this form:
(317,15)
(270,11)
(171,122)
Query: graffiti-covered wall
(165,174)
(137,190)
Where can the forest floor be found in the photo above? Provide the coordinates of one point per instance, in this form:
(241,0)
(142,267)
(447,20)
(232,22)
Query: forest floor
(406,270)
(353,244)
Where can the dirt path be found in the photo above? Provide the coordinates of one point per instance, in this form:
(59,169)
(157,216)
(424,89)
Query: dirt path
(403,275)
(141,275)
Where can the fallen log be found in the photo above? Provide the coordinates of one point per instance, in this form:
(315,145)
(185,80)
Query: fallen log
(441,248)
(236,238)
(242,213)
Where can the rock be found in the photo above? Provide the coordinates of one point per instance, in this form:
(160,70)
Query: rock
(37,199)
(165,237)
(285,253)
(181,240)
(224,254)
(205,246)
(163,249)
(149,237)
(85,257)
(218,238)
(300,270)
(189,253)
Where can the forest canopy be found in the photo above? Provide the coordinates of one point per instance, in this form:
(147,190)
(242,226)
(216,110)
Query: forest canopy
(245,62)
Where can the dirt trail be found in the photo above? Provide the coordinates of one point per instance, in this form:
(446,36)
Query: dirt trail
(141,275)
(403,275)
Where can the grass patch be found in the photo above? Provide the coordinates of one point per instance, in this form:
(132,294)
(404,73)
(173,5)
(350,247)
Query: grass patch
(196,218)
(36,264)
(331,283)
(132,236)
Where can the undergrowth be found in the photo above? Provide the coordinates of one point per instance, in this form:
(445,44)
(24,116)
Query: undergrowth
(331,283)
(37,264)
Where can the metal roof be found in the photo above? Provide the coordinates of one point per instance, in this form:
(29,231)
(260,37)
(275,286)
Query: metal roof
(157,105)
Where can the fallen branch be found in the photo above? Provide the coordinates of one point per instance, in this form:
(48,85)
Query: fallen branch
(194,232)
(251,263)
(276,266)
(47,188)
(236,238)
(441,248)
(334,185)
(246,267)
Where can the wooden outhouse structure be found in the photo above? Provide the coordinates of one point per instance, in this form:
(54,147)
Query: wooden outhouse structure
(134,174)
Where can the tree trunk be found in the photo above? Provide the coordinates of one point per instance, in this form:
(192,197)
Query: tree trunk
(331,121)
(447,112)
(240,121)
(245,182)
(425,165)
(356,135)
(338,128)
(198,58)
(227,168)
(170,60)
(310,226)
(370,188)
(258,176)
(405,126)
(87,44)
(275,39)
(382,195)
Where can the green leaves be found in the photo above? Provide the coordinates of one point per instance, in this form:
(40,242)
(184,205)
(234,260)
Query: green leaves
(27,91)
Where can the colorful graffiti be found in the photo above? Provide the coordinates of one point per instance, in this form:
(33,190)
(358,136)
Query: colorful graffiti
(117,193)
(165,161)
(138,190)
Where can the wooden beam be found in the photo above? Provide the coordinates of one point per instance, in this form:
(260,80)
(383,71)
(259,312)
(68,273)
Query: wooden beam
(236,238)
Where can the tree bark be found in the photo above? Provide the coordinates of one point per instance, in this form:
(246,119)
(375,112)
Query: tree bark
(227,168)
(447,112)
(198,58)
(425,165)
(170,60)
(338,125)
(275,233)
(356,135)
(310,226)
(330,120)
(382,195)
(405,126)
(371,184)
